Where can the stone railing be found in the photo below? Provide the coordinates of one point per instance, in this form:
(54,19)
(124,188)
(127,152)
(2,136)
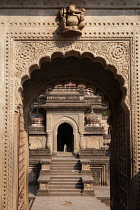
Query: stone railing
(43,181)
(44,177)
(87,178)
(88,187)
(45,165)
(85,166)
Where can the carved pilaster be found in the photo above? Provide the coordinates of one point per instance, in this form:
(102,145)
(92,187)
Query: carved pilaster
(82,141)
(49,141)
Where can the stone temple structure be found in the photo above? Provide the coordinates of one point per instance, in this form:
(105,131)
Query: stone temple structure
(71,110)
(60,62)
(69,116)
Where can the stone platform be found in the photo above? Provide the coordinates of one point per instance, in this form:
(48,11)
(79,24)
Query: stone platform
(68,203)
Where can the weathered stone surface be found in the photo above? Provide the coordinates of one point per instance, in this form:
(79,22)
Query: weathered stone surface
(110,37)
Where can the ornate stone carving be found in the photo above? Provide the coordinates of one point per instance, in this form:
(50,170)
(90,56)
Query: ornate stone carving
(31,57)
(43,186)
(85,165)
(88,186)
(72,20)
(115,53)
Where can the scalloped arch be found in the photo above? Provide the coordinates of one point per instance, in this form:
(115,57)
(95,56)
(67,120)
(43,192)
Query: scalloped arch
(104,61)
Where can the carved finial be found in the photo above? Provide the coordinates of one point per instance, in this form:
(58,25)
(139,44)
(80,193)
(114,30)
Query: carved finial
(72,20)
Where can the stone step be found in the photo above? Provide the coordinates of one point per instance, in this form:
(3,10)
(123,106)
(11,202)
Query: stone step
(65,168)
(65,177)
(65,190)
(64,172)
(65,194)
(65,164)
(63,180)
(65,187)
(65,161)
(63,154)
(65,183)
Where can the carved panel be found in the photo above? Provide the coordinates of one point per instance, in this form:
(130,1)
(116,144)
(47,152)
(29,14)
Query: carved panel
(115,53)
(88,186)
(97,175)
(43,186)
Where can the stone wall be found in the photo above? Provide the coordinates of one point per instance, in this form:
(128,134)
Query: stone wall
(29,32)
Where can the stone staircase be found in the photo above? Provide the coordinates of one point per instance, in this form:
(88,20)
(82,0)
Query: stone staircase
(65,177)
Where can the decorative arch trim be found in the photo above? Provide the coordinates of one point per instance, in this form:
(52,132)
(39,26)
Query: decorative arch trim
(72,122)
(15,44)
(114,55)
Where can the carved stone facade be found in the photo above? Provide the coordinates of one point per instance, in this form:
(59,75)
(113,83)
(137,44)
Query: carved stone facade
(26,43)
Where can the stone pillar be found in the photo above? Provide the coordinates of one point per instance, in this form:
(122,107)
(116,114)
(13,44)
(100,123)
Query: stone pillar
(82,141)
(43,186)
(87,178)
(44,177)
(49,141)
(88,186)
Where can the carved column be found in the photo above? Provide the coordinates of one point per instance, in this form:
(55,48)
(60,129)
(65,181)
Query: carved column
(49,141)
(82,141)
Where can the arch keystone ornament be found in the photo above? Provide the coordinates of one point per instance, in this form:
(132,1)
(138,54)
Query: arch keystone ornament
(72,20)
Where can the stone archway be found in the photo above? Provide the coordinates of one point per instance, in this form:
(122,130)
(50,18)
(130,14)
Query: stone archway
(65,137)
(74,131)
(111,89)
(118,65)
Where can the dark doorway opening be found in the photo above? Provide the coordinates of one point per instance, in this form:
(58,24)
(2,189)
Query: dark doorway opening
(65,137)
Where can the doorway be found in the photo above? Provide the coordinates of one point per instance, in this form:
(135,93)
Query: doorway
(65,137)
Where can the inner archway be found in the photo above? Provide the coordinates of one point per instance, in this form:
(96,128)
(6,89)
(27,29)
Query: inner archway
(65,137)
(91,74)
